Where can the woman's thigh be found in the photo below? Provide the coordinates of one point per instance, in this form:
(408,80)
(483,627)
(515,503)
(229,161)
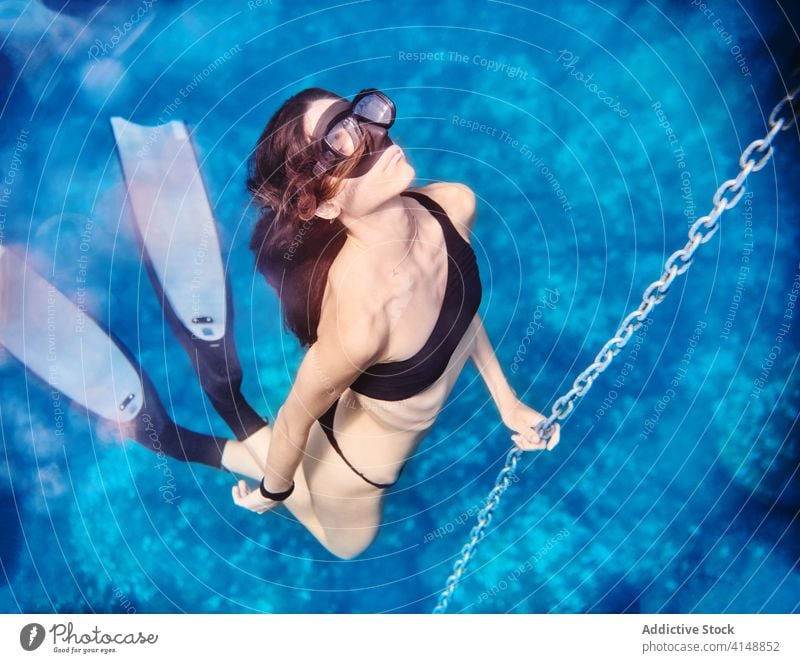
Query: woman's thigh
(375,449)
(348,508)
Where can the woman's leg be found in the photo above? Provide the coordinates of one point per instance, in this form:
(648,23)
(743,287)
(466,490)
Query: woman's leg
(349,509)
(247,458)
(216,364)
(340,510)
(154,429)
(176,232)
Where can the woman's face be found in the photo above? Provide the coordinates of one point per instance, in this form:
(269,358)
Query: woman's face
(360,196)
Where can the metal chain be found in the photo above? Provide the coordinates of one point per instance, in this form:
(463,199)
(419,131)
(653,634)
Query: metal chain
(701,231)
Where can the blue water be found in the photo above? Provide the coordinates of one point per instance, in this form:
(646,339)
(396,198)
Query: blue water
(675,486)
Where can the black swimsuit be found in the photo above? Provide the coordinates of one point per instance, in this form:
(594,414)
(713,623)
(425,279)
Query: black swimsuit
(396,380)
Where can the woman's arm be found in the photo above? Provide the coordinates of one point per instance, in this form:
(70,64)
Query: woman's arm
(513,412)
(351,337)
(328,368)
(458,201)
(347,344)
(488,366)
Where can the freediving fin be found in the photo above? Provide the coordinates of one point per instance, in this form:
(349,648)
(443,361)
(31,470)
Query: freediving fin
(65,347)
(177,234)
(62,345)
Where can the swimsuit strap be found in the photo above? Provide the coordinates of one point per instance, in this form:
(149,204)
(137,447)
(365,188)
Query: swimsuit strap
(326,421)
(437,211)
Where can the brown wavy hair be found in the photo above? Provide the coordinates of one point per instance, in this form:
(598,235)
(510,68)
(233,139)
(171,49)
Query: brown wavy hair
(294,248)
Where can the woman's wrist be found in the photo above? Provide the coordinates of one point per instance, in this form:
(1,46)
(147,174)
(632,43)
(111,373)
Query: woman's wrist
(275,481)
(279,467)
(506,400)
(275,496)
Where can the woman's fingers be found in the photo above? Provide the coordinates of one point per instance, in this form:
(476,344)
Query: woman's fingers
(555,438)
(249,499)
(239,492)
(527,442)
(533,439)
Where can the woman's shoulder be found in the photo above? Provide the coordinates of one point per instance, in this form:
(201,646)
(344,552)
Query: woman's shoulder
(344,285)
(457,200)
(350,316)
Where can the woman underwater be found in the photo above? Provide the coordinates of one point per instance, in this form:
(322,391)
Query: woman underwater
(381,283)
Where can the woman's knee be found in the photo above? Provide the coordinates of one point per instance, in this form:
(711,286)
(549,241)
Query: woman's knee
(347,551)
(350,545)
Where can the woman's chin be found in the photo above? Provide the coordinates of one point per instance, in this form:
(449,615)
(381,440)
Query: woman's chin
(400,177)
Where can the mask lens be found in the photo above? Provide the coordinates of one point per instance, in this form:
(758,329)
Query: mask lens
(343,137)
(375,108)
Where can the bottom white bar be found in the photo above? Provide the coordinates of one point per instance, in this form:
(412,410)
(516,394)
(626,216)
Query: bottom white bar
(400,638)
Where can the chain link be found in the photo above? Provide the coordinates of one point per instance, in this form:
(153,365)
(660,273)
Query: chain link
(775,121)
(701,231)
